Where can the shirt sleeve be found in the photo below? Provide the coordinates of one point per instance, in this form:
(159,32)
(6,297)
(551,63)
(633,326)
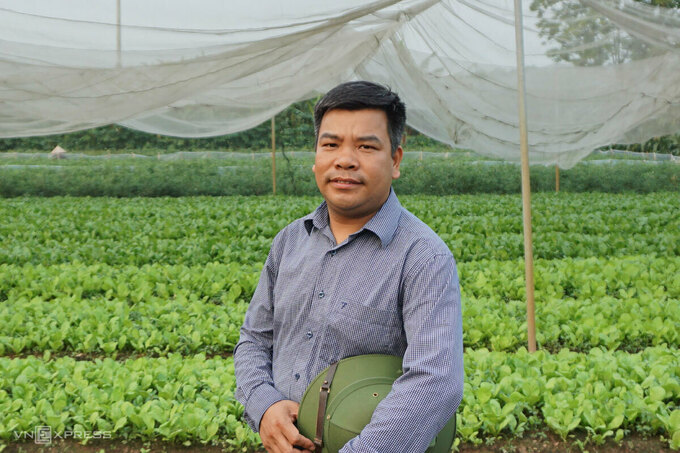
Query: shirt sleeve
(253,352)
(430,389)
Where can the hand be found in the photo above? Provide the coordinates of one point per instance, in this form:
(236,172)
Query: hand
(278,431)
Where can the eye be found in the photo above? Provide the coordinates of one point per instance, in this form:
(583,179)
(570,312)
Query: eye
(366,147)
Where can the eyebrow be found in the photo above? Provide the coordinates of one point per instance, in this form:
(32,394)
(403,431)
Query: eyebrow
(364,138)
(329,136)
(370,138)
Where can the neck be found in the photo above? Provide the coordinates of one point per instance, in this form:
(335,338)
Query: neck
(342,227)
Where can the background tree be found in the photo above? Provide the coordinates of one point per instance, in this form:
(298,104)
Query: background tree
(584,37)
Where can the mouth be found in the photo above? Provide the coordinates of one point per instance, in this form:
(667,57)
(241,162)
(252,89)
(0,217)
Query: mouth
(343,183)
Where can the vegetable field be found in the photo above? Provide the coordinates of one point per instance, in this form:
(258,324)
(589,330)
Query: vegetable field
(120,315)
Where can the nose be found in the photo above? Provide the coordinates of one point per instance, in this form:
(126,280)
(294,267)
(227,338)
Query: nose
(346,158)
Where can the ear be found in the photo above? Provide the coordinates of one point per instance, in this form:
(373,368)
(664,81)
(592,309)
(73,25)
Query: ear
(314,167)
(396,160)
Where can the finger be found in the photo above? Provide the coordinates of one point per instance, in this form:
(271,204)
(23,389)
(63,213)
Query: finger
(280,445)
(295,438)
(272,446)
(277,443)
(302,450)
(290,432)
(303,442)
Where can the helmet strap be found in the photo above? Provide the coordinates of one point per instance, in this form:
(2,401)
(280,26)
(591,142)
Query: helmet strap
(323,400)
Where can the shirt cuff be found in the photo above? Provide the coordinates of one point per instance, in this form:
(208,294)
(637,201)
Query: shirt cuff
(260,400)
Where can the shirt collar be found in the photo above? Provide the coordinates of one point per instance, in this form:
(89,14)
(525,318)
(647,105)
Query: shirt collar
(383,224)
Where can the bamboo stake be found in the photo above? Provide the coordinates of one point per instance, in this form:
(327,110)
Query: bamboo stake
(118,35)
(557,178)
(273,156)
(526,187)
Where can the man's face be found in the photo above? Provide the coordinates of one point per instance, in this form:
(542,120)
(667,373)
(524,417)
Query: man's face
(354,167)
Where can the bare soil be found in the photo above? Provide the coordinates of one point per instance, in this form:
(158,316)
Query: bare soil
(532,443)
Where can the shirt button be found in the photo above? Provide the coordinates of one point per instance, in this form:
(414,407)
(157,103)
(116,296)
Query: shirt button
(310,334)
(297,376)
(321,294)
(333,252)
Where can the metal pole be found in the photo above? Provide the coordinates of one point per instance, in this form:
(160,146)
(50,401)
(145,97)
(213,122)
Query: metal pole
(526,187)
(273,157)
(118,36)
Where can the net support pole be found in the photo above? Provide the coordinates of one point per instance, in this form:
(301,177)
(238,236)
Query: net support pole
(273,156)
(557,178)
(118,34)
(526,186)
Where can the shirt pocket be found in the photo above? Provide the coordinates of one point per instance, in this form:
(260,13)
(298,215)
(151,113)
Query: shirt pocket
(354,328)
(365,314)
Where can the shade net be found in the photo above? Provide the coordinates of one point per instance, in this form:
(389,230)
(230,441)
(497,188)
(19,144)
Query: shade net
(597,71)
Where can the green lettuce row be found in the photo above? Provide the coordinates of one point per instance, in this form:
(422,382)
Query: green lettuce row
(175,398)
(240,229)
(627,303)
(605,394)
(590,214)
(180,325)
(621,277)
(587,213)
(575,324)
(466,246)
(103,309)
(211,282)
(106,326)
(579,278)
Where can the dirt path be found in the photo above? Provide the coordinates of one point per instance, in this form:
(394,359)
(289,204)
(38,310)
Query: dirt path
(531,443)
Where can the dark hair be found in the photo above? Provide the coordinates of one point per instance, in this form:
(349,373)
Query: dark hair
(364,95)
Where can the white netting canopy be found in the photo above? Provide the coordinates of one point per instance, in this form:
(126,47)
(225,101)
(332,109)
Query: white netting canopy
(597,71)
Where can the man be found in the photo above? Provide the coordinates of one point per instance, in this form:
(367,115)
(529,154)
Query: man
(359,275)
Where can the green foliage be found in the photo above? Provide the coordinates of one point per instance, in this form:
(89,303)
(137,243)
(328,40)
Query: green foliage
(173,398)
(617,303)
(190,398)
(107,275)
(668,144)
(603,393)
(155,309)
(136,177)
(195,231)
(627,303)
(171,276)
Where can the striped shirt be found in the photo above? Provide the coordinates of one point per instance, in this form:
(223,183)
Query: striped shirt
(392,288)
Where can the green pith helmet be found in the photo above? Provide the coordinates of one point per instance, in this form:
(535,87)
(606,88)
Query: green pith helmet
(351,391)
